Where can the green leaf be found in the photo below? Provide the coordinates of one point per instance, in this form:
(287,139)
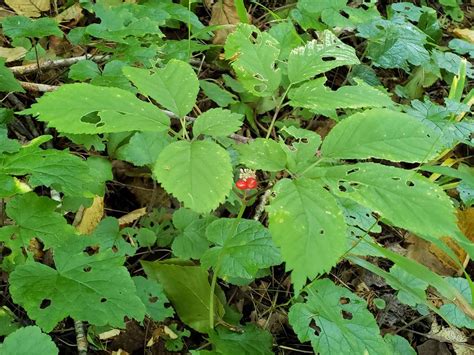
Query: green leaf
(318,98)
(146,237)
(8,324)
(192,242)
(383,134)
(405,198)
(343,323)
(198,173)
(241,248)
(214,92)
(83,70)
(254,56)
(21,26)
(86,108)
(103,291)
(250,341)
(453,313)
(188,289)
(395,43)
(217,122)
(304,149)
(28,340)
(152,295)
(176,344)
(8,83)
(307,224)
(318,57)
(398,345)
(8,145)
(58,169)
(264,154)
(175,86)
(462,47)
(144,148)
(417,286)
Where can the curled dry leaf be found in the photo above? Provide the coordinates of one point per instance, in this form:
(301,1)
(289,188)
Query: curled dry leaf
(91,216)
(223,13)
(73,12)
(131,217)
(29,8)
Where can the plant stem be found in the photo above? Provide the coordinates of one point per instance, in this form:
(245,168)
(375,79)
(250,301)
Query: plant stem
(218,265)
(277,111)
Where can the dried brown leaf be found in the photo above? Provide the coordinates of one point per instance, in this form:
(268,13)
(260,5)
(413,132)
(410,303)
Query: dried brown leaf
(73,12)
(223,13)
(29,8)
(91,216)
(131,217)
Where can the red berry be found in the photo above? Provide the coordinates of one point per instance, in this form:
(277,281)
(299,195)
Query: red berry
(251,183)
(241,184)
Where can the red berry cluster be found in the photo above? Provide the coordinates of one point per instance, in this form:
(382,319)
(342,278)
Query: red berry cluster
(246,184)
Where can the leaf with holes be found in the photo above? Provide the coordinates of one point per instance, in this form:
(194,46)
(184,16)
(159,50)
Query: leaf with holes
(28,340)
(217,122)
(405,198)
(336,321)
(152,295)
(318,57)
(307,224)
(254,56)
(241,248)
(175,86)
(198,173)
(318,98)
(264,154)
(93,288)
(383,134)
(90,109)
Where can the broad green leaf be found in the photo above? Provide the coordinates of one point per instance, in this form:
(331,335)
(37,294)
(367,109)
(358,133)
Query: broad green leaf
(8,323)
(152,295)
(254,56)
(175,86)
(241,248)
(188,289)
(250,341)
(84,70)
(398,345)
(395,43)
(417,286)
(217,122)
(383,134)
(8,82)
(192,242)
(318,98)
(318,57)
(197,173)
(405,198)
(34,217)
(307,224)
(214,92)
(453,313)
(28,340)
(8,145)
(303,152)
(21,27)
(146,237)
(86,108)
(100,289)
(462,47)
(344,324)
(285,33)
(144,148)
(58,169)
(264,154)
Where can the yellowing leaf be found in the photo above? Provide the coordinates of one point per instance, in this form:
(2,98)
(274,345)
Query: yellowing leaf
(465,34)
(29,8)
(91,216)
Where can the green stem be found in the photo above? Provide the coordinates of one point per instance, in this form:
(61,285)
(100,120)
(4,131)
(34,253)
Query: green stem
(277,111)
(218,265)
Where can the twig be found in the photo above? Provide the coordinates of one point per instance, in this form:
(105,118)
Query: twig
(81,339)
(263,201)
(37,87)
(49,64)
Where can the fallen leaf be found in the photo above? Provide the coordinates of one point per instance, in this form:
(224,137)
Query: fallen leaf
(466,225)
(451,335)
(465,34)
(223,13)
(12,54)
(109,334)
(29,8)
(91,216)
(73,12)
(131,217)
(419,250)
